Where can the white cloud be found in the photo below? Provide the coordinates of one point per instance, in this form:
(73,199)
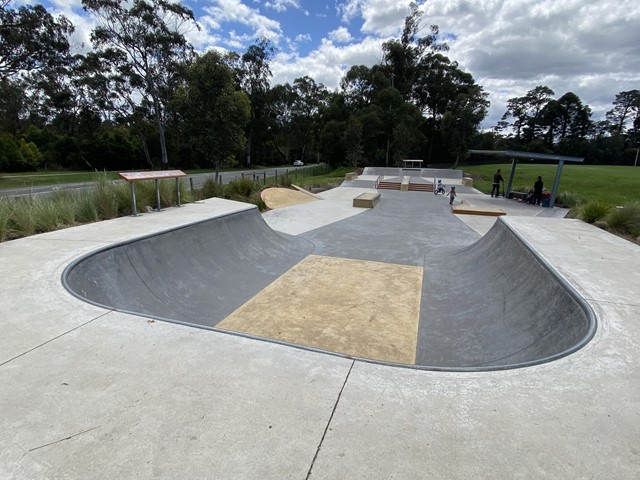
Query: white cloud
(327,64)
(234,11)
(381,17)
(303,37)
(341,35)
(282,5)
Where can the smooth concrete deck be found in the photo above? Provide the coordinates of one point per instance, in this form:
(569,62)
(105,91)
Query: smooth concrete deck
(89,393)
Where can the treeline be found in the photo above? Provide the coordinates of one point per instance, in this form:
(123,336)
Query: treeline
(142,98)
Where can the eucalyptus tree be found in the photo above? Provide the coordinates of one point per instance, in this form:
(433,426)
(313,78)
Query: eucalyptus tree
(214,112)
(525,112)
(146,40)
(403,55)
(253,73)
(31,39)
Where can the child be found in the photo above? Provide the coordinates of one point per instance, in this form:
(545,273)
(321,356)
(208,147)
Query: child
(439,188)
(452,194)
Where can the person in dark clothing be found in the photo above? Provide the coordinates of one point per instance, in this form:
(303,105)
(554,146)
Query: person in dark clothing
(537,191)
(497,178)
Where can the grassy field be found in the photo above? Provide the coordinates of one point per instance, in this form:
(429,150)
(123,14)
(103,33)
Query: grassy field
(614,185)
(37,179)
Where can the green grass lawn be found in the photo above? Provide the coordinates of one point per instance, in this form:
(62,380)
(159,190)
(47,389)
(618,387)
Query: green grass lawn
(615,185)
(37,179)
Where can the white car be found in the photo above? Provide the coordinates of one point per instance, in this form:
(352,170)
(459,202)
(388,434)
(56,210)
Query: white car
(298,163)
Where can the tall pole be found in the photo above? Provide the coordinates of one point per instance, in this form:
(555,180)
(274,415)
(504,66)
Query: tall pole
(636,162)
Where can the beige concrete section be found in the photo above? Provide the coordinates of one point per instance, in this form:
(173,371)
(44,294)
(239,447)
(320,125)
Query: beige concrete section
(354,307)
(284,197)
(469,210)
(366,200)
(404,186)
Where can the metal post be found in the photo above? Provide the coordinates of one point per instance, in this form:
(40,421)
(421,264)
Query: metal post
(635,164)
(178,190)
(556,184)
(511,175)
(191,185)
(158,193)
(264,175)
(134,211)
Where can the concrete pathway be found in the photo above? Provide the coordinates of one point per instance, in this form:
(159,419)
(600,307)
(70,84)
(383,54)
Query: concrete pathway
(88,393)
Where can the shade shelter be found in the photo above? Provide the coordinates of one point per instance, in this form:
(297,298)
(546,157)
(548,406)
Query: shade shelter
(514,155)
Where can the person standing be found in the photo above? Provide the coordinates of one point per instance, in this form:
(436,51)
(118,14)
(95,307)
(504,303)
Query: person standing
(452,194)
(497,178)
(537,191)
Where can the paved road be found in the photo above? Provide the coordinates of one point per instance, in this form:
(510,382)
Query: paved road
(198,180)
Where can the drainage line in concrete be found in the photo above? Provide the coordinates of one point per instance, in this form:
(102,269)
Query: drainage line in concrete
(55,338)
(326,428)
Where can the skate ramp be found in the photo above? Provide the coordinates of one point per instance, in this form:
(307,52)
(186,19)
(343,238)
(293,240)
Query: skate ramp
(481,305)
(197,274)
(495,304)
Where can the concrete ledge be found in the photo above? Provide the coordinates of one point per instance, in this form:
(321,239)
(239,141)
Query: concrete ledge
(487,212)
(366,200)
(404,186)
(351,176)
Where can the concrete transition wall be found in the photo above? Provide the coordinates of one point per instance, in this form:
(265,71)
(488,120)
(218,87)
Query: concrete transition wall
(494,304)
(197,274)
(491,305)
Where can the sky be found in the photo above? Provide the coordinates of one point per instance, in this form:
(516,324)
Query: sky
(590,48)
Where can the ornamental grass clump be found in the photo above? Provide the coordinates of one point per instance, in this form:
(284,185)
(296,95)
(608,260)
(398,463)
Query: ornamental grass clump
(5,218)
(567,200)
(624,220)
(105,199)
(241,188)
(22,220)
(593,211)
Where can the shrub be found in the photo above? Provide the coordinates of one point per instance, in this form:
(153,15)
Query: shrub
(210,188)
(242,187)
(5,218)
(567,200)
(22,219)
(591,212)
(105,198)
(84,207)
(625,219)
(256,199)
(64,201)
(284,181)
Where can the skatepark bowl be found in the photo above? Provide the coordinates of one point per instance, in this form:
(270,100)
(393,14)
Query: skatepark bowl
(378,286)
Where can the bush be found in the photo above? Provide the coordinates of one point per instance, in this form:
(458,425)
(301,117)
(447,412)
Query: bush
(5,218)
(64,201)
(593,211)
(242,187)
(567,200)
(210,188)
(22,219)
(105,198)
(84,207)
(625,219)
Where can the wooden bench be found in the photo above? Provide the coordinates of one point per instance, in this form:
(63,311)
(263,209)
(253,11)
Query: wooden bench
(132,177)
(366,200)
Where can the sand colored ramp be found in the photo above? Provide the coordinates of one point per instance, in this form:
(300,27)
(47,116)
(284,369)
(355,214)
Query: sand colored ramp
(354,307)
(278,197)
(464,209)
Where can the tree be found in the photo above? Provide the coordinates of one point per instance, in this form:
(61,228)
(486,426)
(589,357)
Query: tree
(254,74)
(215,112)
(403,55)
(147,45)
(31,39)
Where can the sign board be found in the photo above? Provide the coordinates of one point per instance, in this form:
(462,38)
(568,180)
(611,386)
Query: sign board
(138,176)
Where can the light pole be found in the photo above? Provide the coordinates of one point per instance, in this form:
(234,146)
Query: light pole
(635,164)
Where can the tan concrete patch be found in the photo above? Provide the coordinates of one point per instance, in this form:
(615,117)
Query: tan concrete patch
(355,307)
(285,197)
